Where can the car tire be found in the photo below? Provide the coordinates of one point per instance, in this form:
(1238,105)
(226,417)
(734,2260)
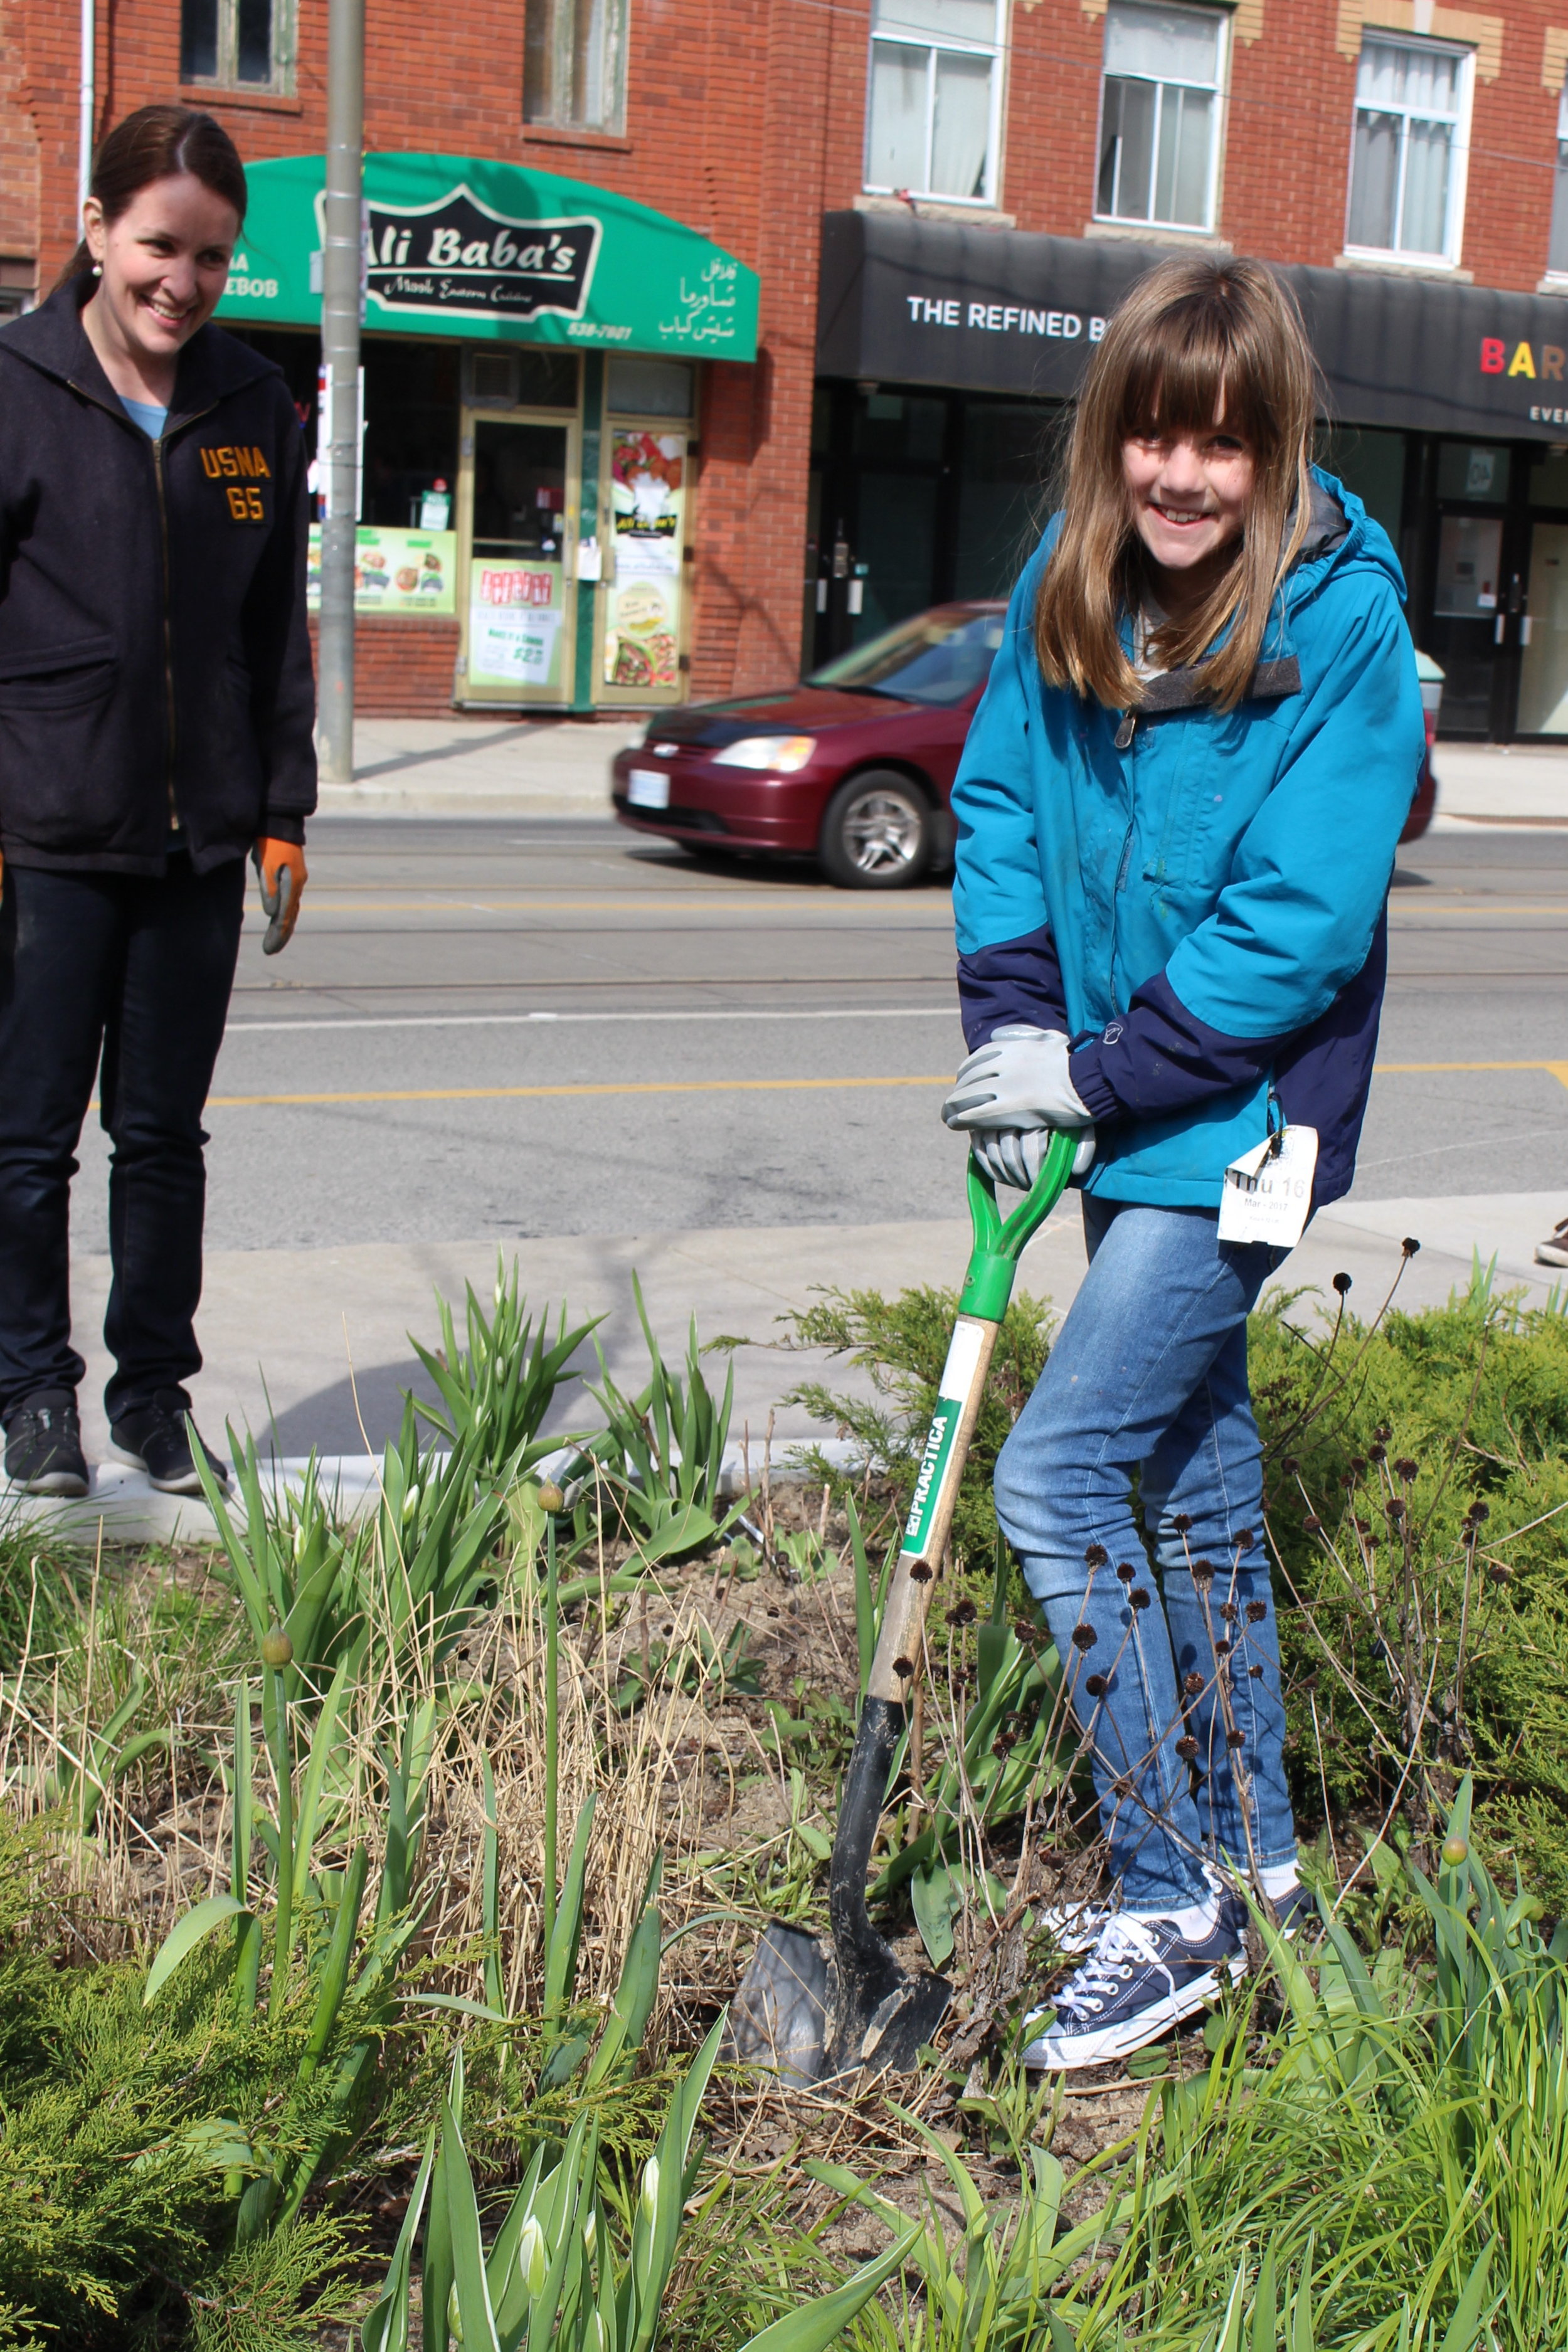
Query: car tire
(877,833)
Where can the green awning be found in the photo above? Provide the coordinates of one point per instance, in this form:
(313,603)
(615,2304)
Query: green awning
(455,245)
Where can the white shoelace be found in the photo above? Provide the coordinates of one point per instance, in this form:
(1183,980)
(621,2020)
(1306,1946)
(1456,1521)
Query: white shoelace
(1124,1942)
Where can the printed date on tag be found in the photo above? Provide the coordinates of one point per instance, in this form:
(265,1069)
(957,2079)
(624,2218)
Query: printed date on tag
(1268,1191)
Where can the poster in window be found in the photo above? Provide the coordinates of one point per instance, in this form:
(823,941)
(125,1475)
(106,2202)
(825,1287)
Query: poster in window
(395,570)
(515,616)
(648,503)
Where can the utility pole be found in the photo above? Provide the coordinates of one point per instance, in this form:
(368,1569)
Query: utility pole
(341,280)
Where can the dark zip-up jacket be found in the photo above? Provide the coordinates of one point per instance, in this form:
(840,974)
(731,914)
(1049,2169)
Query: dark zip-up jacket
(155,659)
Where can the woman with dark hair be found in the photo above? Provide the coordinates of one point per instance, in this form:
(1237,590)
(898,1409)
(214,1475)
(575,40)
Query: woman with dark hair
(1177,811)
(156,714)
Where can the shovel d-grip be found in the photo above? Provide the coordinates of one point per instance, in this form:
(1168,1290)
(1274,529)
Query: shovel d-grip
(872,2012)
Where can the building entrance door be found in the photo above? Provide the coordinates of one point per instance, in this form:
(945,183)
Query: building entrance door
(1543,635)
(517,523)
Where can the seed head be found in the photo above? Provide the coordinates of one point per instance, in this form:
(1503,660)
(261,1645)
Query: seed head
(1186,1748)
(1003,1745)
(551,1497)
(1202,1574)
(1192,1685)
(1235,1739)
(920,1573)
(1095,1685)
(1479,1512)
(1096,1556)
(1500,1572)
(904,1668)
(1377,1454)
(1140,1597)
(1222,1649)
(1394,1510)
(1229,1612)
(1383,1433)
(1182,1524)
(277,1649)
(1244,1539)
(1312,1524)
(1409,1246)
(1084,1637)
(1406,1469)
(1292,1466)
(1126,1571)
(1256,1673)
(1341,1283)
(1257,1611)
(963,1612)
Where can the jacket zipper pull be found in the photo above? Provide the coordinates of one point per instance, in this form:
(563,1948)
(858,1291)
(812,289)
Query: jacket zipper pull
(1127,729)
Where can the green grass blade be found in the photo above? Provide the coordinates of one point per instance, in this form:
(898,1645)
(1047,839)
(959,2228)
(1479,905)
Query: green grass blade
(386,2329)
(817,2324)
(477,2320)
(184,1935)
(561,1960)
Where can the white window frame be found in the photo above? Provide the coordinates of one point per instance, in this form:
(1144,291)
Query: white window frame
(1557,271)
(1410,256)
(281,82)
(917,38)
(1205,227)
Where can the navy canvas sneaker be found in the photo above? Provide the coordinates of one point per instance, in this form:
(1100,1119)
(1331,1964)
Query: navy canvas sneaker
(1142,1978)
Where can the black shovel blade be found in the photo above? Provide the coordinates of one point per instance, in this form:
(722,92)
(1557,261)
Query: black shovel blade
(880,2013)
(778,2019)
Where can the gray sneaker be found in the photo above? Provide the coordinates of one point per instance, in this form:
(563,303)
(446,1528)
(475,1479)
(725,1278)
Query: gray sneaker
(1554,1250)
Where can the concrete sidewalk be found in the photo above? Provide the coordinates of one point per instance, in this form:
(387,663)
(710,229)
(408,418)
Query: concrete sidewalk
(308,1348)
(496,766)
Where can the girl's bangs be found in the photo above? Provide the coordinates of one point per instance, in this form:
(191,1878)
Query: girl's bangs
(1184,390)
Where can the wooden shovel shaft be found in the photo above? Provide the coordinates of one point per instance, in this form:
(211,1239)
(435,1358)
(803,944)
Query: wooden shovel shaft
(931,1512)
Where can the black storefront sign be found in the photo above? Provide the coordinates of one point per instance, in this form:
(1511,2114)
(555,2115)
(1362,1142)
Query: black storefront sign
(457,254)
(929,302)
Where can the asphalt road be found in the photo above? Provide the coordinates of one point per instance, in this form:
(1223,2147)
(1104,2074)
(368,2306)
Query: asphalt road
(492,1030)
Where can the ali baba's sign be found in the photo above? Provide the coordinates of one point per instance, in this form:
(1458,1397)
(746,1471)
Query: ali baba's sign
(463,245)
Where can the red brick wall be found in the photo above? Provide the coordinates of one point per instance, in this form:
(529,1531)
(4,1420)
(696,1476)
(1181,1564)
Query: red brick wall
(746,120)
(403,668)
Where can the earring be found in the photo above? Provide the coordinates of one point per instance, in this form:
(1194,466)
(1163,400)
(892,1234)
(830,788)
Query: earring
(98,269)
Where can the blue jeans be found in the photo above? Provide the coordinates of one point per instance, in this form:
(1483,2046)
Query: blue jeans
(1174,1676)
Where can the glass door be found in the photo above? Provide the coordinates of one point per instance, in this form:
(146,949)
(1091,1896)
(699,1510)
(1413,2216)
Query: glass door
(1472,589)
(1543,635)
(518,518)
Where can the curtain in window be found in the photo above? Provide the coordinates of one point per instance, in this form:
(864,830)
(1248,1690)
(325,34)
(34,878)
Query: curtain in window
(1424,227)
(1374,181)
(942,20)
(896,141)
(962,130)
(1160,44)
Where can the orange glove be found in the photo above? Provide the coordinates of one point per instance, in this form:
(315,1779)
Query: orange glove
(280,868)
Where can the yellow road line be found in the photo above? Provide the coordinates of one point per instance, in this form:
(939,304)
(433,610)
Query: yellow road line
(513,1094)
(1559,1070)
(459,904)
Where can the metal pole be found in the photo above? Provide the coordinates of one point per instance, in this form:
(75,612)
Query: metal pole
(88,107)
(341,296)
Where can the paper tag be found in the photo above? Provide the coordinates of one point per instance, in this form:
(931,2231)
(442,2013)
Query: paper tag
(1268,1191)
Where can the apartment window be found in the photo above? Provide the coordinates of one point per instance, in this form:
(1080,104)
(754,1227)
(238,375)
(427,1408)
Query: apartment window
(575,64)
(241,44)
(1407,165)
(1159,115)
(1557,250)
(934,101)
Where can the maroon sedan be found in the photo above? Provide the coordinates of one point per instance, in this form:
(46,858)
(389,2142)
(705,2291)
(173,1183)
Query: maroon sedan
(853,767)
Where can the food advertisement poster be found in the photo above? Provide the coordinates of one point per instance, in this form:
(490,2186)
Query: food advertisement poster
(648,501)
(515,616)
(395,570)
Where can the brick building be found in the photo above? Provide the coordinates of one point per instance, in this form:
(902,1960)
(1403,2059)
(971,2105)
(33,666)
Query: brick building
(830,269)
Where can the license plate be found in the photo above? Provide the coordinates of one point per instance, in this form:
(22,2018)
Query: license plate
(648,788)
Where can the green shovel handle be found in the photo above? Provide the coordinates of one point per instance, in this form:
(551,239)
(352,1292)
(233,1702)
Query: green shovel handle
(999,1242)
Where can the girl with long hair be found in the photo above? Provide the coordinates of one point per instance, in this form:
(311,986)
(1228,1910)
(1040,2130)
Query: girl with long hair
(156,710)
(1177,813)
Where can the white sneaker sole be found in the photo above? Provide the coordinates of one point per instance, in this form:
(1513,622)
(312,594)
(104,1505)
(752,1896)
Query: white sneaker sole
(1059,2053)
(54,1485)
(189,1484)
(1549,1254)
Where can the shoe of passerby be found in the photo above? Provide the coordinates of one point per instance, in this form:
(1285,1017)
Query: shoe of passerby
(156,1438)
(1554,1250)
(43,1445)
(1143,1976)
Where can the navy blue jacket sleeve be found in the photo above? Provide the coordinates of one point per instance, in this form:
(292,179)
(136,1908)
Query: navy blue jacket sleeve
(1159,1057)
(1018,980)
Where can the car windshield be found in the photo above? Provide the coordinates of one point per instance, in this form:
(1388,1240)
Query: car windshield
(938,657)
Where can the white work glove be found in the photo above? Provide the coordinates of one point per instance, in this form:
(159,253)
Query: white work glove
(1012,1155)
(1020,1079)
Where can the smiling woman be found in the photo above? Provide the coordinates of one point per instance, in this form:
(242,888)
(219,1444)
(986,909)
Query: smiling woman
(155,726)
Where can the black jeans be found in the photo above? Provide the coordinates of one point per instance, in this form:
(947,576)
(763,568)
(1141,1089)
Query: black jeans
(139,971)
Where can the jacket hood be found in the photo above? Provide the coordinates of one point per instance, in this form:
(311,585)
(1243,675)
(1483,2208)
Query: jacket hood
(53,339)
(1340,537)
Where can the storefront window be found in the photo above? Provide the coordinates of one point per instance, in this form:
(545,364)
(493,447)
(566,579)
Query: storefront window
(1001,494)
(241,44)
(1371,463)
(410,427)
(650,387)
(935,78)
(1160,114)
(575,64)
(1466,471)
(1407,166)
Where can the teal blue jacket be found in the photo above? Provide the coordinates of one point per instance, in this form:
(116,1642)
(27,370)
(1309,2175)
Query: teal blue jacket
(1199,899)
